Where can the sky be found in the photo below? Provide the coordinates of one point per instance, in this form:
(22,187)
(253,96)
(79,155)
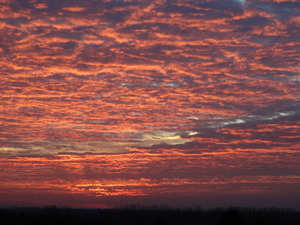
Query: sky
(173,102)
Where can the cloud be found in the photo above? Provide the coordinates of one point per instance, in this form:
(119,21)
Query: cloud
(282,10)
(74,9)
(159,96)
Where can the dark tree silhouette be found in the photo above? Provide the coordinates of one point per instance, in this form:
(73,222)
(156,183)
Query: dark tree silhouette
(231,217)
(148,216)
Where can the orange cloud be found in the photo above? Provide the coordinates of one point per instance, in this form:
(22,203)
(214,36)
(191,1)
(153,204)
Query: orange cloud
(74,9)
(140,98)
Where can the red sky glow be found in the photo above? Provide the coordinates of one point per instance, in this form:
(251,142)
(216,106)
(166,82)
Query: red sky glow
(181,103)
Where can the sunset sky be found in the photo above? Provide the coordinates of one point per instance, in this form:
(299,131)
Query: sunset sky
(174,102)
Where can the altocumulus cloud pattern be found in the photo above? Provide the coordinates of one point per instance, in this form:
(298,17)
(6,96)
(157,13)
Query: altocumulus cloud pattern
(149,98)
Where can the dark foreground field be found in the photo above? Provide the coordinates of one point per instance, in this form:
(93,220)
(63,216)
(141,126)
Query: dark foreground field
(154,215)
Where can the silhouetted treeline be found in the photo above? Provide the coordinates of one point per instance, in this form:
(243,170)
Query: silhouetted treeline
(148,215)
